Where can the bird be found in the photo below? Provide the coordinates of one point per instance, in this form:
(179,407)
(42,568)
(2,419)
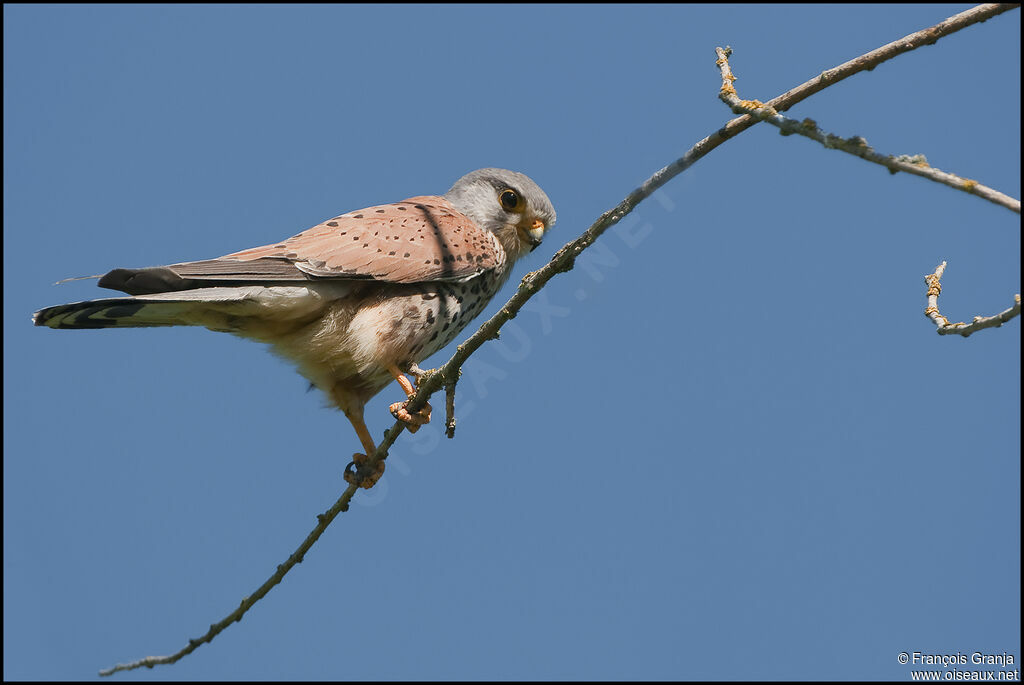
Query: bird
(356,301)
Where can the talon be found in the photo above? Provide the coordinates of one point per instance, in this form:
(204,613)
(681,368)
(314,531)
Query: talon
(398,409)
(412,421)
(352,475)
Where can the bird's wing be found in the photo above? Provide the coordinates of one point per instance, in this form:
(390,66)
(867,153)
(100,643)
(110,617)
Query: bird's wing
(416,240)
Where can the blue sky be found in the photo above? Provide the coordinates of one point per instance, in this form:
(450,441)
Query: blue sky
(728,445)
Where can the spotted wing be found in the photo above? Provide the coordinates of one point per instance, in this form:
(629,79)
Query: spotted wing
(416,240)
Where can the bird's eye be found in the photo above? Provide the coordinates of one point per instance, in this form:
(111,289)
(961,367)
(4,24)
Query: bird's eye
(509,198)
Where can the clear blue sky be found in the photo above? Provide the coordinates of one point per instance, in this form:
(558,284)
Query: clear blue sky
(727,445)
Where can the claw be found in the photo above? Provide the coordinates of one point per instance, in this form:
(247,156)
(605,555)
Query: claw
(352,475)
(399,409)
(412,421)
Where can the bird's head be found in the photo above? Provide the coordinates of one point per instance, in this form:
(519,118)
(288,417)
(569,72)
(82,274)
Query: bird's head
(506,203)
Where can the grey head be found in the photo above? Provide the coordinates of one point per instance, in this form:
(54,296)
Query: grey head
(506,203)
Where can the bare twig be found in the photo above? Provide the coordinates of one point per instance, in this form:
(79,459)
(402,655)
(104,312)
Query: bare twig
(856,145)
(323,520)
(431,381)
(870,60)
(449,409)
(943,325)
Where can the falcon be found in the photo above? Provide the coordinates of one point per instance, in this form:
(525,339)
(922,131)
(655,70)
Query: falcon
(354,302)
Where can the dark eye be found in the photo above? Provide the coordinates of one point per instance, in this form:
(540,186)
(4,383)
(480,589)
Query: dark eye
(509,199)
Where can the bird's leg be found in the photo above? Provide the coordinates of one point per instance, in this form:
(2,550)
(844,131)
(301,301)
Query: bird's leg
(353,409)
(398,409)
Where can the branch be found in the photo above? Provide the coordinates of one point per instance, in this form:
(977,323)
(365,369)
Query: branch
(856,145)
(944,327)
(449,407)
(431,381)
(870,60)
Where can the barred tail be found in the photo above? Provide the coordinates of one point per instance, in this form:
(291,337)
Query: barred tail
(117,312)
(219,308)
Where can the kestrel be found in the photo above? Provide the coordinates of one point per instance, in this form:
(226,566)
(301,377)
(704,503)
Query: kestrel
(355,301)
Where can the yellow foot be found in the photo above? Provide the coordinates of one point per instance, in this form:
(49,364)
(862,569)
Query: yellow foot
(354,477)
(412,421)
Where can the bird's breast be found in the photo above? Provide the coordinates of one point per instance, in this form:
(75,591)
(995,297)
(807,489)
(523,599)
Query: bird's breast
(359,337)
(413,322)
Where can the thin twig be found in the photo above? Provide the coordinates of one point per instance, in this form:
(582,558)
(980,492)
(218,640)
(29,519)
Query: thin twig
(323,520)
(431,381)
(870,60)
(449,409)
(943,325)
(856,145)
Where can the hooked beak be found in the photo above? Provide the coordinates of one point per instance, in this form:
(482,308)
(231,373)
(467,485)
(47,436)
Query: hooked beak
(533,234)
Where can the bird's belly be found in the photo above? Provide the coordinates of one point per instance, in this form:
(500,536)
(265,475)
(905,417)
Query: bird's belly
(356,340)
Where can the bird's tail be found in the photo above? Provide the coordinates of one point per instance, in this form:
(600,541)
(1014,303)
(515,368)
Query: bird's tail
(116,312)
(219,308)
